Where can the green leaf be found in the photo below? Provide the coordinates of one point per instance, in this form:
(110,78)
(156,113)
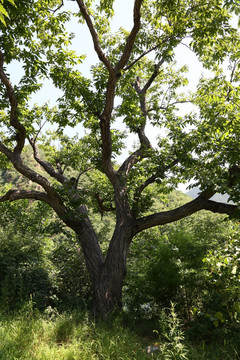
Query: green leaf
(2,19)
(3,11)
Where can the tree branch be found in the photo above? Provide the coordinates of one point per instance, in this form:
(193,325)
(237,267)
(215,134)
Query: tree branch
(220,208)
(152,179)
(202,202)
(101,206)
(14,121)
(140,57)
(131,39)
(153,77)
(30,174)
(97,47)
(170,104)
(144,141)
(15,194)
(130,162)
(7,152)
(46,165)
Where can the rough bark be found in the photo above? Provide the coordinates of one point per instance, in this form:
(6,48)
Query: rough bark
(107,285)
(107,274)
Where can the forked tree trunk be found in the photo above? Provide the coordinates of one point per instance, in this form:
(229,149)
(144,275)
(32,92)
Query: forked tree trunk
(108,285)
(107,280)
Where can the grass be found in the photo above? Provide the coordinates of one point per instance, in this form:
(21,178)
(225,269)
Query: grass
(75,336)
(66,337)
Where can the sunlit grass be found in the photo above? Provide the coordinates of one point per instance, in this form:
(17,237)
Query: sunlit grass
(76,336)
(66,337)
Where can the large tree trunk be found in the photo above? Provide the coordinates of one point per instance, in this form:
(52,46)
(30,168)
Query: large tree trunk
(107,276)
(108,284)
(107,289)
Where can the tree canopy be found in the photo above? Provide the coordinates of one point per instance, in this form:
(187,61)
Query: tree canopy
(136,82)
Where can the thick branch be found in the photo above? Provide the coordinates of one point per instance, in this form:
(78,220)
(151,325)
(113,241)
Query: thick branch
(15,194)
(111,86)
(220,208)
(127,165)
(110,94)
(7,152)
(89,242)
(165,217)
(137,155)
(144,141)
(30,174)
(14,121)
(105,127)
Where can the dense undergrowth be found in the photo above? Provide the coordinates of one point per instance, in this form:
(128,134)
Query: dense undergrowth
(29,335)
(45,293)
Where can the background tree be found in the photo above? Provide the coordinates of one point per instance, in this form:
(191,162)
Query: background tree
(135,82)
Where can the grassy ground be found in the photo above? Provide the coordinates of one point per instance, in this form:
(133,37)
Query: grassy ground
(75,336)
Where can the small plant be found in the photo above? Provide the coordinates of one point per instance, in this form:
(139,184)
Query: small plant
(171,336)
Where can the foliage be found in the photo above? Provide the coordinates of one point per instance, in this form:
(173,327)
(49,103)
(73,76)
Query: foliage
(3,11)
(170,330)
(222,278)
(137,82)
(23,269)
(193,263)
(70,280)
(41,262)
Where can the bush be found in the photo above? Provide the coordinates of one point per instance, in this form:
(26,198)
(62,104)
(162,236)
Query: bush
(39,260)
(193,263)
(70,279)
(23,271)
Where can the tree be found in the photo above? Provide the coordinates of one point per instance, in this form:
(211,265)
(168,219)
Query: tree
(135,82)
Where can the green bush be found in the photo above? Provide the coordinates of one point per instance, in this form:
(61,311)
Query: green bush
(193,263)
(39,260)
(23,271)
(70,279)
(221,300)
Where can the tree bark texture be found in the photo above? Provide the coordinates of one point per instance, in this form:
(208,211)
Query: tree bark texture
(107,274)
